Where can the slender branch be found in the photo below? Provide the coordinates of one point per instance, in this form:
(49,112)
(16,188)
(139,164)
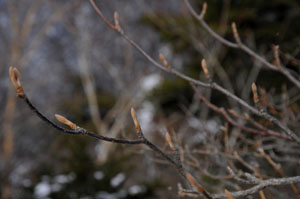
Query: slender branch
(223,112)
(262,185)
(15,77)
(212,85)
(240,45)
(79,131)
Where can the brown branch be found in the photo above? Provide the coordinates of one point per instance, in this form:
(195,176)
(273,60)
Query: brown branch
(243,47)
(212,85)
(223,112)
(15,78)
(102,16)
(262,185)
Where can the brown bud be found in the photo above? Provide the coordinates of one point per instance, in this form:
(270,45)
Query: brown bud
(254,91)
(163,60)
(276,55)
(169,141)
(233,112)
(204,67)
(15,78)
(228,194)
(235,33)
(136,123)
(65,121)
(193,182)
(203,12)
(247,116)
(116,19)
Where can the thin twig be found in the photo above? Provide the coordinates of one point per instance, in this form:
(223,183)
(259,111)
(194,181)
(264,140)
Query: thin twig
(233,122)
(212,85)
(243,47)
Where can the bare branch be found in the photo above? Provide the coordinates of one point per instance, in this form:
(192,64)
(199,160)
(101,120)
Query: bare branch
(207,85)
(243,47)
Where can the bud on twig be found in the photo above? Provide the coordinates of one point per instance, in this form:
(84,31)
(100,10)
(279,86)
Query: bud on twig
(254,91)
(169,141)
(163,60)
(193,182)
(233,112)
(116,19)
(204,67)
(203,12)
(228,194)
(65,121)
(276,54)
(236,34)
(136,123)
(15,78)
(247,116)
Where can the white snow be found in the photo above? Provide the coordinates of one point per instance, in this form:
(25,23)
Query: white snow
(136,189)
(117,180)
(151,81)
(42,190)
(145,115)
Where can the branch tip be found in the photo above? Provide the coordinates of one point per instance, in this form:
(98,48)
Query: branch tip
(169,141)
(65,121)
(15,78)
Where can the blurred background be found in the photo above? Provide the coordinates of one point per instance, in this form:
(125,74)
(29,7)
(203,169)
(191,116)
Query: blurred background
(72,64)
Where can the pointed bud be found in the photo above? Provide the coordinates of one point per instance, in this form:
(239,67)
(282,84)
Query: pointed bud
(116,19)
(254,91)
(169,141)
(15,78)
(204,67)
(136,123)
(228,194)
(163,60)
(276,55)
(193,182)
(247,116)
(233,112)
(203,12)
(235,33)
(65,121)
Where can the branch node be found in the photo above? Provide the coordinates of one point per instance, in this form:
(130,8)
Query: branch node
(236,34)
